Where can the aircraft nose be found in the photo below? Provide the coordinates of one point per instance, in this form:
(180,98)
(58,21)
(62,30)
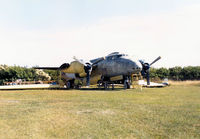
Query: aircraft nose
(138,67)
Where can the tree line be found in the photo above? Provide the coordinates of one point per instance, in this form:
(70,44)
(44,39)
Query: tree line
(176,73)
(12,73)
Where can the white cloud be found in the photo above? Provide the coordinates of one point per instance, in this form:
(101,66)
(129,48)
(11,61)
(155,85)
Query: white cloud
(174,36)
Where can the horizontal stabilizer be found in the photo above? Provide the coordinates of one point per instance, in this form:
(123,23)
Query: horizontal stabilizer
(47,68)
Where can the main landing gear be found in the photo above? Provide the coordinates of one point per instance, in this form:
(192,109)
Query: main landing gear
(106,85)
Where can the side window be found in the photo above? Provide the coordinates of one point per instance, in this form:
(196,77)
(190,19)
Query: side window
(113,57)
(109,58)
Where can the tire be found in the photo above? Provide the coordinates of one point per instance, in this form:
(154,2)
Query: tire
(128,86)
(68,85)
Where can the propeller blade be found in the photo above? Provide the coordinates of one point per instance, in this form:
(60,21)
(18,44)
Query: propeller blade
(80,61)
(148,78)
(141,61)
(155,60)
(88,70)
(88,79)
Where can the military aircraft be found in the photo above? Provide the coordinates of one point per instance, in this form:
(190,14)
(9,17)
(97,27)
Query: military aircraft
(104,71)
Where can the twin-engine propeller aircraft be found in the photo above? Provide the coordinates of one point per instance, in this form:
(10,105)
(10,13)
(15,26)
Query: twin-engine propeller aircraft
(104,71)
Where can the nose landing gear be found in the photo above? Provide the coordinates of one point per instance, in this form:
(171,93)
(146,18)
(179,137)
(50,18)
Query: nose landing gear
(127,82)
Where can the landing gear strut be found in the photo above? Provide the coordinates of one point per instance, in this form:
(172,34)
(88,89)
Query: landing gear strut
(127,82)
(106,86)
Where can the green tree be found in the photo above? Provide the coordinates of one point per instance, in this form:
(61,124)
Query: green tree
(175,73)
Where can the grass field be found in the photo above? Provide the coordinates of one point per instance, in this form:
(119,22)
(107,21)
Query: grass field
(171,112)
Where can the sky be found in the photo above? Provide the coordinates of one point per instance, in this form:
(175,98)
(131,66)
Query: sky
(51,32)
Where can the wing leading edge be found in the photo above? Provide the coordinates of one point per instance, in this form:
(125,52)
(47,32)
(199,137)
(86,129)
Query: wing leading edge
(47,68)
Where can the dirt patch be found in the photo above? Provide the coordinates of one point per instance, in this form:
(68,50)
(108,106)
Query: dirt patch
(84,111)
(107,112)
(101,112)
(9,101)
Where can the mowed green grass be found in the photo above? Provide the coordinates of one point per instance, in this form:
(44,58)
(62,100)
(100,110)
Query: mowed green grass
(171,112)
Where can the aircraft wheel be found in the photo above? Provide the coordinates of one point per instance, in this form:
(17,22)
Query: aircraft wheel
(128,86)
(68,85)
(99,84)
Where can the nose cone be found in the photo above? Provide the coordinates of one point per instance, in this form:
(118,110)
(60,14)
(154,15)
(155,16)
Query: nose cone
(132,65)
(137,67)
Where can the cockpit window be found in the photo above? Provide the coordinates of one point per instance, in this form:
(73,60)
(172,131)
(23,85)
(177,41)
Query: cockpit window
(114,57)
(125,56)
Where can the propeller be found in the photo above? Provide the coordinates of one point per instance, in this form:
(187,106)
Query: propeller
(146,68)
(88,66)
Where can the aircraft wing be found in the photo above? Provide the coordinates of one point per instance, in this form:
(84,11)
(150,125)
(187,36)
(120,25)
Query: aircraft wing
(47,68)
(73,67)
(63,66)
